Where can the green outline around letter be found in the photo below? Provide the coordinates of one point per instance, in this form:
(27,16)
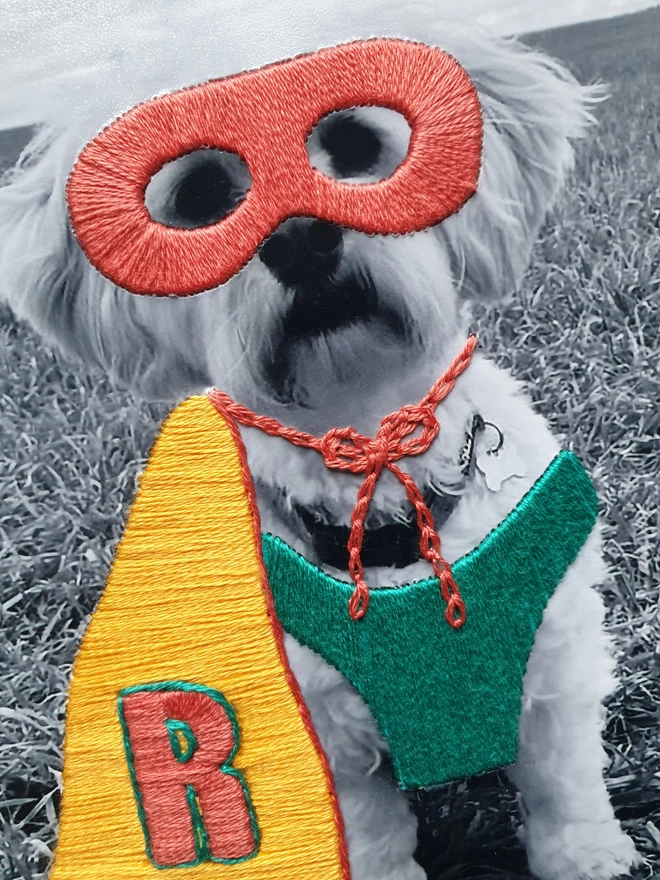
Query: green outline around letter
(201,838)
(174,727)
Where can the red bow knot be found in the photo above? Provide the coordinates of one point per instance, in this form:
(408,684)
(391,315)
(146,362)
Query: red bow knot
(346,449)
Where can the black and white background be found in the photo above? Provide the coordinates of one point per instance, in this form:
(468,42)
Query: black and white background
(584,334)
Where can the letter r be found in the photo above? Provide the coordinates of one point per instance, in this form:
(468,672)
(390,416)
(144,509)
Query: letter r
(194,806)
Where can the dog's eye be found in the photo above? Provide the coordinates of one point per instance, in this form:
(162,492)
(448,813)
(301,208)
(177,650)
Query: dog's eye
(198,189)
(353,148)
(361,145)
(204,196)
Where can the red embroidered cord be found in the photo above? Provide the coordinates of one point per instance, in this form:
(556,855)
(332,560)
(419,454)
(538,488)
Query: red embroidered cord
(345,449)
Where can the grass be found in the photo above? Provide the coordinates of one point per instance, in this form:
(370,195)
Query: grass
(584,336)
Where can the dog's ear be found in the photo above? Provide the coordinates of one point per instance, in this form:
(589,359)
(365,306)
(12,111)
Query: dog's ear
(47,281)
(533,111)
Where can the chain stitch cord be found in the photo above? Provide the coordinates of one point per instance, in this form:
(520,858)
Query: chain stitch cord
(346,449)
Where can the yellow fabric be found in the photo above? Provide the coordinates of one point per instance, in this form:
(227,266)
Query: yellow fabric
(185,601)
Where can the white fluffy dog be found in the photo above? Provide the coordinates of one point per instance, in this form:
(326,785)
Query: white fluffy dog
(327,327)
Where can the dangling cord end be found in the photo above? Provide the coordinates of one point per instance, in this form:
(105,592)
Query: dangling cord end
(359,601)
(455,613)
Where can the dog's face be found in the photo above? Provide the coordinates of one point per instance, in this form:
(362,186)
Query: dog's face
(325,326)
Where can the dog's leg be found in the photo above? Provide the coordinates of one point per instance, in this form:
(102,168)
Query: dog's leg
(381,830)
(570,831)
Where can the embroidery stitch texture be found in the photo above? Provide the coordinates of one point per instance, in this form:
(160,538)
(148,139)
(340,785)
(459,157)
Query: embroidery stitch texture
(447,701)
(193,527)
(265,116)
(220,824)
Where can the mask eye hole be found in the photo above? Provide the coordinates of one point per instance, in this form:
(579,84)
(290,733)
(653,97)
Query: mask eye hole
(353,148)
(198,189)
(364,144)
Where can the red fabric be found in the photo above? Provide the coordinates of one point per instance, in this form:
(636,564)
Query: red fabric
(347,450)
(266,116)
(163,780)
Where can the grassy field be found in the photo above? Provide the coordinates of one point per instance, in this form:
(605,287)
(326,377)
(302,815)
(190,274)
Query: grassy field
(585,336)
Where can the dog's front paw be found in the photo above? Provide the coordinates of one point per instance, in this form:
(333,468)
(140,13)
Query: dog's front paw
(579,850)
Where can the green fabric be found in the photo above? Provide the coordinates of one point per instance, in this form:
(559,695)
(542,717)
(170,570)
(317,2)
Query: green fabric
(447,701)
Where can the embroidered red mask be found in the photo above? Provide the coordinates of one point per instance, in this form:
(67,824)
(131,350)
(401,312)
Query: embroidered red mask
(265,116)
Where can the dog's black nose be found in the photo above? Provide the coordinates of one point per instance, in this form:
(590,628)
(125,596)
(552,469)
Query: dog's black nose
(303,250)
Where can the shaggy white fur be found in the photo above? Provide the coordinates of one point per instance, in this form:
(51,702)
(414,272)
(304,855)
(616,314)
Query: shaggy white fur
(82,72)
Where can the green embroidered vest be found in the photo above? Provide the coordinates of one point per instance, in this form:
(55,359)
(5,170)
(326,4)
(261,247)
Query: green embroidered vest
(448,702)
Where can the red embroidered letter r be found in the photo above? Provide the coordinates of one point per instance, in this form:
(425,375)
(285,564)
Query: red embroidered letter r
(194,806)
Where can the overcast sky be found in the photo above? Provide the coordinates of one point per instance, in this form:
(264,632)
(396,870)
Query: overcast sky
(517,16)
(49,48)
